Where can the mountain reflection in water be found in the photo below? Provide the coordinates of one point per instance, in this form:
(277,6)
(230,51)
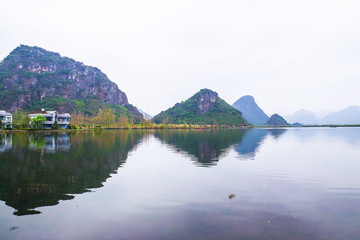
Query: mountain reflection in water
(302,183)
(205,147)
(40,169)
(252,140)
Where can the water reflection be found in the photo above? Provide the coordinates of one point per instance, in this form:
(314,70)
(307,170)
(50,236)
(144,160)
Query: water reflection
(294,189)
(204,147)
(253,139)
(347,135)
(275,132)
(5,142)
(50,143)
(33,176)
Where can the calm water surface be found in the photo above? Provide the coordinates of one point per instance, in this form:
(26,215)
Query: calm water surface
(288,184)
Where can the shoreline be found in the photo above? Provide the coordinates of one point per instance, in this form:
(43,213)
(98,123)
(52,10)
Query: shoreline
(173,127)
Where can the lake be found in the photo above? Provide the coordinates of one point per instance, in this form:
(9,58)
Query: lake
(296,183)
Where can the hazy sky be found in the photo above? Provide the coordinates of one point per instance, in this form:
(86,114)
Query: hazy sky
(287,54)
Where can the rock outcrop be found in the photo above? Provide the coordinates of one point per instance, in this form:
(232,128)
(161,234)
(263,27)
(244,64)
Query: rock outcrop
(205,101)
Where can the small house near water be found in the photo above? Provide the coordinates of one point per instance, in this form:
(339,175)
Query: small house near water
(52,118)
(6,118)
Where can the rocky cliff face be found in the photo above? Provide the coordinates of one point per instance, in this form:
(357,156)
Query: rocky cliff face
(205,101)
(32,74)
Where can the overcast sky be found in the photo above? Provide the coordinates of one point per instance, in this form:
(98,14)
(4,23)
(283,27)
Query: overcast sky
(287,54)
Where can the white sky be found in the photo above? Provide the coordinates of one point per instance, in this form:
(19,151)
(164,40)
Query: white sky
(287,54)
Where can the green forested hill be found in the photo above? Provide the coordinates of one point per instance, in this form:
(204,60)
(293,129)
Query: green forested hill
(276,120)
(205,107)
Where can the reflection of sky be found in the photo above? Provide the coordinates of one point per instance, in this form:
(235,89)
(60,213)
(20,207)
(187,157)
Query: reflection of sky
(343,134)
(294,189)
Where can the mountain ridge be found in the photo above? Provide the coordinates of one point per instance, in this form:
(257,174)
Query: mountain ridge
(348,115)
(32,78)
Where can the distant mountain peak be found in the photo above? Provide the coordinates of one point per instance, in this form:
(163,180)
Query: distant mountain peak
(248,97)
(276,120)
(145,114)
(349,115)
(303,116)
(250,110)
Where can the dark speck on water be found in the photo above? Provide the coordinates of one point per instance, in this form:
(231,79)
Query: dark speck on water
(13,229)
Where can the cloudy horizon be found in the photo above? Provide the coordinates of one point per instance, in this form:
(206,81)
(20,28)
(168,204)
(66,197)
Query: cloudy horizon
(288,55)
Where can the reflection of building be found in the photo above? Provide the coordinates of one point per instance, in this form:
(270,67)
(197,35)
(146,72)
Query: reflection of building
(52,117)
(63,142)
(50,143)
(5,142)
(6,118)
(64,120)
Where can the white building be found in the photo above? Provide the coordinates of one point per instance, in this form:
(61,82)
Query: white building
(63,120)
(6,118)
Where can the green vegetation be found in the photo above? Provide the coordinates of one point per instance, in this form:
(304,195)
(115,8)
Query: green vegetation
(37,141)
(37,121)
(20,120)
(187,112)
(87,107)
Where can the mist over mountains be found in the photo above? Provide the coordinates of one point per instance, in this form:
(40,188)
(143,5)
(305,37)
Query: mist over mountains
(253,113)
(349,115)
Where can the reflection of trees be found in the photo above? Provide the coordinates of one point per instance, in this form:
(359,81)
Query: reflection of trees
(31,178)
(253,138)
(277,132)
(204,146)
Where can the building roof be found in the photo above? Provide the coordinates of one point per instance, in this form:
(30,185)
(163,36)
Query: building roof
(4,113)
(43,114)
(49,114)
(65,115)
